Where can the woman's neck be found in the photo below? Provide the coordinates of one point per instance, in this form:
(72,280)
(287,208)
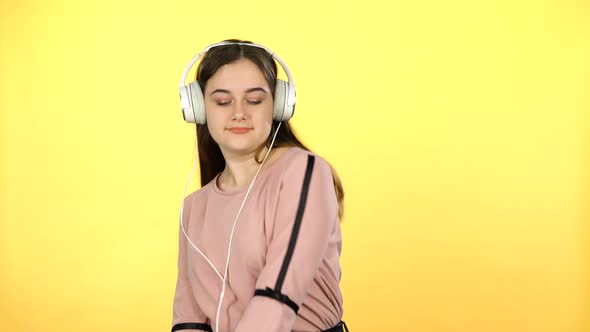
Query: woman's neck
(240,169)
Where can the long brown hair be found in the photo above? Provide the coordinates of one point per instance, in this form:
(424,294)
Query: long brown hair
(211,160)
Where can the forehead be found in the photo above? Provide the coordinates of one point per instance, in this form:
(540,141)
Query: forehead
(237,76)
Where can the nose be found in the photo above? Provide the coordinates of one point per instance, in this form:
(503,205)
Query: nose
(238,112)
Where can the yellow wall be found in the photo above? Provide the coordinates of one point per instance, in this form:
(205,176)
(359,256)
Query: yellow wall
(460,130)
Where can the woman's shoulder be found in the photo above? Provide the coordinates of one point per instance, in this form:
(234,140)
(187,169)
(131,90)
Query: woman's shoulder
(300,155)
(199,194)
(317,157)
(298,160)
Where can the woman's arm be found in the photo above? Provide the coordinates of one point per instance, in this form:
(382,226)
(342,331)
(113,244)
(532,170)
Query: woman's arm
(307,212)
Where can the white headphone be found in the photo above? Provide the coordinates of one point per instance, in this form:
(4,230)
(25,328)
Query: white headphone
(193,102)
(193,111)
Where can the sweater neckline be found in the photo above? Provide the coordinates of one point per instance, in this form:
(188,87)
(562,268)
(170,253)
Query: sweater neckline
(262,173)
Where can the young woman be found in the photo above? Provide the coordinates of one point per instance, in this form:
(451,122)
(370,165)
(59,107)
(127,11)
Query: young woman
(260,242)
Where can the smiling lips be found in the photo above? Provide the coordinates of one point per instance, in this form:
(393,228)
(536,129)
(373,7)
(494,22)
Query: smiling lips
(239,130)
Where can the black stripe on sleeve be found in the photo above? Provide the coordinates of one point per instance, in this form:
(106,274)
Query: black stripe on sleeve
(276,293)
(297,225)
(268,292)
(192,326)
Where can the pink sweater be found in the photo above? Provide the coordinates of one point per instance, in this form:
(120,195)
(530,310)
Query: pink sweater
(308,274)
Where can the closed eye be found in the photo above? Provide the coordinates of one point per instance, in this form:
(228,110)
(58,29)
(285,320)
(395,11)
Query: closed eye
(254,102)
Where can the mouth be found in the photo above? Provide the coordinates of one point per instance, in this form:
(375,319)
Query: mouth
(239,130)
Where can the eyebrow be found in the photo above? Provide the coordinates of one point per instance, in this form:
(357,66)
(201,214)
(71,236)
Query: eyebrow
(247,91)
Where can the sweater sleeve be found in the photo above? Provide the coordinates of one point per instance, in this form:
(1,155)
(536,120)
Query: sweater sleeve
(186,313)
(306,213)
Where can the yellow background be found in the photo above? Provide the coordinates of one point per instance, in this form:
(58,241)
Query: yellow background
(460,130)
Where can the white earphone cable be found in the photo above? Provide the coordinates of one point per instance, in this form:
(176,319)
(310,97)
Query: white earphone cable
(182,213)
(234,226)
(224,277)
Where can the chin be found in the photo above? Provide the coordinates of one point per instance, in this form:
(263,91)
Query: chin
(240,147)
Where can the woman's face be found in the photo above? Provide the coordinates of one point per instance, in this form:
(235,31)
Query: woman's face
(238,96)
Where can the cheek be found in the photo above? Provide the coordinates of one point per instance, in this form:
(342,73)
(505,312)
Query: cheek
(267,111)
(215,123)
(215,115)
(264,119)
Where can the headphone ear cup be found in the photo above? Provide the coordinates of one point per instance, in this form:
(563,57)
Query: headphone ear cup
(197,103)
(185,104)
(281,111)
